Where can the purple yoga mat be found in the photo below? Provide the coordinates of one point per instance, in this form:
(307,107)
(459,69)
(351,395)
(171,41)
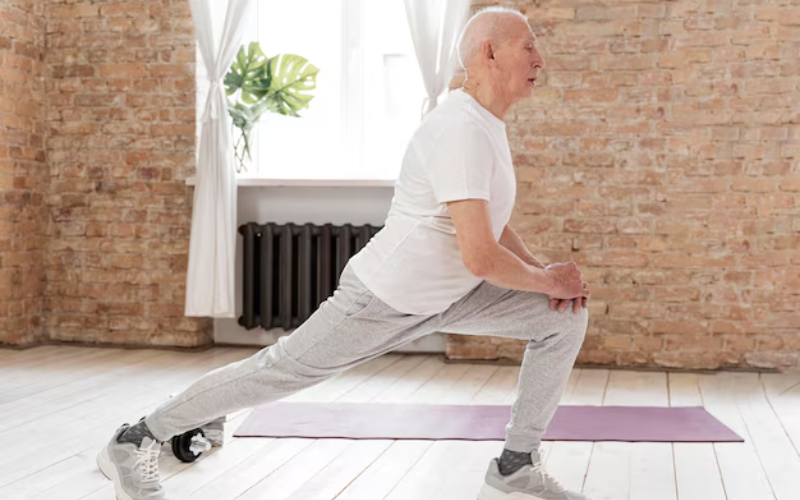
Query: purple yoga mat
(481,423)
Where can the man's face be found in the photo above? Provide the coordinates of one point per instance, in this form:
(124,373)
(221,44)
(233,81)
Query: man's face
(518,62)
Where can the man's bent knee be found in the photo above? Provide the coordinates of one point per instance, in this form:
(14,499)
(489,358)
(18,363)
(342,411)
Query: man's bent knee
(568,323)
(575,323)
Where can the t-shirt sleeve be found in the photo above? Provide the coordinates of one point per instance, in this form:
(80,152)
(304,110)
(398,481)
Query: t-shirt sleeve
(461,164)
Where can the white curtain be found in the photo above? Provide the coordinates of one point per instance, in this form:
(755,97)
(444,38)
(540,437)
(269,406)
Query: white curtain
(210,279)
(435,26)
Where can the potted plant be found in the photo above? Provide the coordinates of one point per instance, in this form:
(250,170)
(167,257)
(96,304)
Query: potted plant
(280,84)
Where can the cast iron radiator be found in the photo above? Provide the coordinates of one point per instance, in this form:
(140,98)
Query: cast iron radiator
(290,269)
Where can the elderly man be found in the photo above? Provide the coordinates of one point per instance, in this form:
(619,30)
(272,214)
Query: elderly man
(446,260)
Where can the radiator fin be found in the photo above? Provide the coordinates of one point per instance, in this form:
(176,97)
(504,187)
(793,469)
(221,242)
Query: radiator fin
(290,269)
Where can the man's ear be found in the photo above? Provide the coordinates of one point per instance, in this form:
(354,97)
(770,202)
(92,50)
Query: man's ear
(487,49)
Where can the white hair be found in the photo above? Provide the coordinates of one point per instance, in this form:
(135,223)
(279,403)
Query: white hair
(484,24)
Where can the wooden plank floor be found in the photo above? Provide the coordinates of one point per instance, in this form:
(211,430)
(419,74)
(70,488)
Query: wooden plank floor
(58,405)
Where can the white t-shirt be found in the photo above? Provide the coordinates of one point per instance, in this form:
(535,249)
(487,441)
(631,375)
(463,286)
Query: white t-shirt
(459,152)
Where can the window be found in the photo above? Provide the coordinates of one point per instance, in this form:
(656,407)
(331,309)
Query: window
(369,94)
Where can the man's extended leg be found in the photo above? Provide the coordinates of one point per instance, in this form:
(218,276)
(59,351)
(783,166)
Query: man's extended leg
(554,340)
(350,328)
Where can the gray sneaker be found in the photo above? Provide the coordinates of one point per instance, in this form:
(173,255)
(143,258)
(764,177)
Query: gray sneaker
(531,482)
(134,470)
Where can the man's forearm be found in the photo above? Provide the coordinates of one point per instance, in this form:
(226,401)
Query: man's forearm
(511,240)
(506,270)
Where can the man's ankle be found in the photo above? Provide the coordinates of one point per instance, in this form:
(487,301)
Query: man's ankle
(136,434)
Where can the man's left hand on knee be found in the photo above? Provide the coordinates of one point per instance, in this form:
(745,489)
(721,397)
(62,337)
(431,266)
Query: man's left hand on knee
(576,303)
(562,305)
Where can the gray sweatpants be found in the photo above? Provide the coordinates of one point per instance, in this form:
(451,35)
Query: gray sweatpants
(354,326)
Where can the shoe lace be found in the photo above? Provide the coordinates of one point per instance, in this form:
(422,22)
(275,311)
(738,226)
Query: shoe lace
(547,480)
(147,462)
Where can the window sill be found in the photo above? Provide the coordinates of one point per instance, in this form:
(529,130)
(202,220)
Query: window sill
(257,182)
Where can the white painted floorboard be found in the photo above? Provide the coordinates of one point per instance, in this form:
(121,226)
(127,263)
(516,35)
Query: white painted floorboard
(59,405)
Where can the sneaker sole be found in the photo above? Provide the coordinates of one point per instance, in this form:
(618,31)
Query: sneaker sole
(108,470)
(489,493)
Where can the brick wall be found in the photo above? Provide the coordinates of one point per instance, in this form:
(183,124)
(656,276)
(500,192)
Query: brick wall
(662,154)
(23,172)
(120,142)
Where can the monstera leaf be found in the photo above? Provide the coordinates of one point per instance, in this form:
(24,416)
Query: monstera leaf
(249,73)
(281,84)
(290,77)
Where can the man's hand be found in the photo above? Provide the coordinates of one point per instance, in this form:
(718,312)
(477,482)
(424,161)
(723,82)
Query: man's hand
(568,287)
(563,304)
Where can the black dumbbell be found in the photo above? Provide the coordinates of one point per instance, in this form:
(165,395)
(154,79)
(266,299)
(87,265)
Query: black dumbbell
(188,447)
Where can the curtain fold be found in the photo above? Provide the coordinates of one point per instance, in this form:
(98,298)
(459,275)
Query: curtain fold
(435,26)
(210,278)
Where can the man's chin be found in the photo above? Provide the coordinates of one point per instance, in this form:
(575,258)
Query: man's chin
(525,93)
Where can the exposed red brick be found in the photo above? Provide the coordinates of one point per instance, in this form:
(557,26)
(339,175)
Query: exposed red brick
(113,95)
